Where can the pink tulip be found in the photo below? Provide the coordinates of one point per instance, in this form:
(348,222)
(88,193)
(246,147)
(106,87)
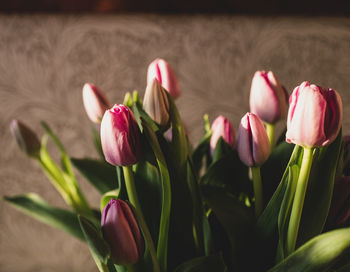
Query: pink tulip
(162,71)
(120,136)
(268,98)
(339,212)
(253,145)
(221,127)
(314,117)
(121,231)
(95,102)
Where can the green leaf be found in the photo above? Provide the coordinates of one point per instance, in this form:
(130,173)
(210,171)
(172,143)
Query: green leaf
(94,239)
(200,152)
(128,100)
(204,264)
(326,252)
(35,206)
(283,216)
(100,174)
(238,222)
(97,142)
(222,148)
(319,192)
(107,197)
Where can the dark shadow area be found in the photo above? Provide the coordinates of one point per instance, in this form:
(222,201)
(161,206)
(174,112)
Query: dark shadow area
(297,7)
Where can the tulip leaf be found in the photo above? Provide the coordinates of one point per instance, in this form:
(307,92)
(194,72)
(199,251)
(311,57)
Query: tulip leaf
(272,170)
(128,100)
(319,192)
(38,208)
(200,152)
(94,239)
(325,252)
(107,197)
(222,148)
(97,142)
(204,264)
(286,205)
(100,174)
(228,172)
(141,114)
(238,223)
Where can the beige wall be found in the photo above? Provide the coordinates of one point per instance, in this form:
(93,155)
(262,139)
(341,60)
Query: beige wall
(45,60)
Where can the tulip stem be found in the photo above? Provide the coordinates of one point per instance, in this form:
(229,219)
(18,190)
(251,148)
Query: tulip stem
(298,201)
(258,193)
(270,130)
(131,188)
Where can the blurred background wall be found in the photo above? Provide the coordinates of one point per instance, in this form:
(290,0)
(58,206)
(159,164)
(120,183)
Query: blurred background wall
(46,59)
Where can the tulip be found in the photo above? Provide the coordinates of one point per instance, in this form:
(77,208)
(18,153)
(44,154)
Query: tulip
(156,103)
(120,136)
(339,212)
(252,144)
(25,138)
(121,231)
(268,98)
(95,102)
(162,71)
(314,117)
(221,127)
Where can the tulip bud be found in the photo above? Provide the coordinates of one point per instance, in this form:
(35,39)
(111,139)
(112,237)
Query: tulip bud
(95,102)
(121,231)
(339,212)
(156,103)
(25,137)
(252,144)
(314,117)
(221,127)
(162,71)
(120,136)
(268,98)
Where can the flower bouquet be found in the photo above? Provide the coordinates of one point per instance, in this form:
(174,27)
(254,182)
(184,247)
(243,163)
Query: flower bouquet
(251,202)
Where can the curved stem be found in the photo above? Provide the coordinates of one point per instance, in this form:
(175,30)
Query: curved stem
(299,198)
(270,130)
(258,194)
(131,189)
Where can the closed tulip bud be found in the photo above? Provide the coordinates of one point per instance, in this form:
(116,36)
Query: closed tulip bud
(120,136)
(268,98)
(162,71)
(252,144)
(314,117)
(122,233)
(221,127)
(156,103)
(25,138)
(339,212)
(95,102)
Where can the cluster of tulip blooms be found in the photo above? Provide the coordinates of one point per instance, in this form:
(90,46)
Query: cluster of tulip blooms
(255,203)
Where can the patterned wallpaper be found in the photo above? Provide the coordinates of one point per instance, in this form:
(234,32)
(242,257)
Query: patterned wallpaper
(45,60)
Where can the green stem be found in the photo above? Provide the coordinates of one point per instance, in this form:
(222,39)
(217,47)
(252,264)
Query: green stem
(298,201)
(270,130)
(258,194)
(131,188)
(147,235)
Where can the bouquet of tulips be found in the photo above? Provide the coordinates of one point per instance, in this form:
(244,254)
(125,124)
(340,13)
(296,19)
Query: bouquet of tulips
(255,202)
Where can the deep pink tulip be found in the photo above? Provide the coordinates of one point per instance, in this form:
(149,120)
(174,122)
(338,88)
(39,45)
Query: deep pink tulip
(314,117)
(121,231)
(120,136)
(221,127)
(339,212)
(95,102)
(268,98)
(253,145)
(162,71)
(25,138)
